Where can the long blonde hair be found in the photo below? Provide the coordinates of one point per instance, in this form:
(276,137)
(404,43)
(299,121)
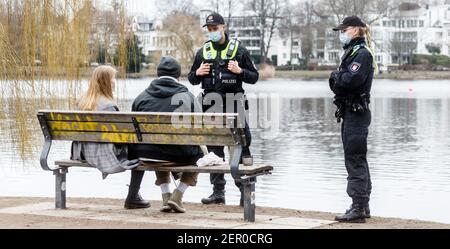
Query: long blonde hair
(100,85)
(366,33)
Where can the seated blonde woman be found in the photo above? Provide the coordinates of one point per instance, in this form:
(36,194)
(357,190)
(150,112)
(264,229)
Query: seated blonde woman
(108,158)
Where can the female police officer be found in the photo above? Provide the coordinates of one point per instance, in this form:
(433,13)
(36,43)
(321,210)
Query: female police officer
(352,84)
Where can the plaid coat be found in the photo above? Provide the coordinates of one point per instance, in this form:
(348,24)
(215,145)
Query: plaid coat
(107,158)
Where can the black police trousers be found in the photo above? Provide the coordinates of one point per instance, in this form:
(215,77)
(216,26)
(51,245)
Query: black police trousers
(218,180)
(355,130)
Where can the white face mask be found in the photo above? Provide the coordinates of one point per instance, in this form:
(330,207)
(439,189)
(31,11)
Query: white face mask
(345,38)
(215,36)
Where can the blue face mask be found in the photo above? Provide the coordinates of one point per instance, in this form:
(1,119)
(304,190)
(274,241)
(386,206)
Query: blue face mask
(215,36)
(345,38)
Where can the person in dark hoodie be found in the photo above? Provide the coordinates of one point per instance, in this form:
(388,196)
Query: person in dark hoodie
(158,97)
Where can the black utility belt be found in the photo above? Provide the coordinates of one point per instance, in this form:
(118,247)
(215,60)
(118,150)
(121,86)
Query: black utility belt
(358,105)
(223,94)
(243,100)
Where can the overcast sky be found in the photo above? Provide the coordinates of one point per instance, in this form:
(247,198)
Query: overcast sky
(149,6)
(144,6)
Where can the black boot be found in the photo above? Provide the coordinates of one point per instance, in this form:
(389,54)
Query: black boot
(134,200)
(217,197)
(366,209)
(355,215)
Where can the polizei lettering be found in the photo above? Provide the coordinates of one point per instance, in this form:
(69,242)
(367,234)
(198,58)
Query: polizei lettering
(229,81)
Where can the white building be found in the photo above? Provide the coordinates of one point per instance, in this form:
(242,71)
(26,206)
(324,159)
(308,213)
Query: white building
(246,28)
(285,48)
(410,29)
(154,41)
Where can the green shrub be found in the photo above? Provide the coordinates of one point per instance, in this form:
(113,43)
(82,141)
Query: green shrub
(441,60)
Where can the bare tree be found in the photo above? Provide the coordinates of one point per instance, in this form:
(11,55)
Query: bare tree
(181,21)
(226,8)
(300,21)
(289,28)
(269,13)
(403,43)
(168,7)
(305,19)
(106,32)
(186,30)
(369,10)
(216,5)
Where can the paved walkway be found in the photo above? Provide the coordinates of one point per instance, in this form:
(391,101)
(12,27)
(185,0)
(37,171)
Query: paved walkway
(191,219)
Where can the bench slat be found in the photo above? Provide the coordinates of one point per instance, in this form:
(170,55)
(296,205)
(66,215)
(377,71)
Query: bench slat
(158,118)
(129,128)
(222,169)
(131,138)
(168,167)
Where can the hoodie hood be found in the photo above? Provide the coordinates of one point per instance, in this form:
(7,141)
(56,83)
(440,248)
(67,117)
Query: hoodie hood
(165,87)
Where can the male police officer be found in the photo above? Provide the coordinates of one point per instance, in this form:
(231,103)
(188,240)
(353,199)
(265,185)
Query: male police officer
(221,67)
(352,84)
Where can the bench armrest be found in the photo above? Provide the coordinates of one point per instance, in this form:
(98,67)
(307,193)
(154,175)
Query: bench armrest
(44,155)
(47,144)
(235,159)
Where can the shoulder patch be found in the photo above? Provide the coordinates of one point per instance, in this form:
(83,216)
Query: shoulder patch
(354,67)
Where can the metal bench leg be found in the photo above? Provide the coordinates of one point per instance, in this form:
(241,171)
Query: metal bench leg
(249,199)
(60,188)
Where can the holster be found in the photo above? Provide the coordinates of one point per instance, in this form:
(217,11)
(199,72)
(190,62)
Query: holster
(359,104)
(340,111)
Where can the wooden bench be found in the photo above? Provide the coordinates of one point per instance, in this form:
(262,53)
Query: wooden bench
(151,128)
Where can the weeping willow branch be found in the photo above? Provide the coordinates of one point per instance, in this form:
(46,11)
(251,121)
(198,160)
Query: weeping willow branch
(45,51)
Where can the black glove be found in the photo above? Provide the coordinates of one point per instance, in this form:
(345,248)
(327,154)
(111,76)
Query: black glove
(333,79)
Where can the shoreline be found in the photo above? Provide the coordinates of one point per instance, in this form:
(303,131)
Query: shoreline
(394,75)
(324,75)
(293,75)
(100,208)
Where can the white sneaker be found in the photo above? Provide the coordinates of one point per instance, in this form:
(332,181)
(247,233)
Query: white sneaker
(210,160)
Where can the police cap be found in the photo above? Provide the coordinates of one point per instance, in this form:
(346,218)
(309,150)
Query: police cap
(351,21)
(214,19)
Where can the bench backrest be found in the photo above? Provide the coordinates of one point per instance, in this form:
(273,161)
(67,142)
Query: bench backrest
(142,128)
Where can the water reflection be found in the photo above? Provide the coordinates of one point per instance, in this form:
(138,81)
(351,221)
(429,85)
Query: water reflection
(409,146)
(408,154)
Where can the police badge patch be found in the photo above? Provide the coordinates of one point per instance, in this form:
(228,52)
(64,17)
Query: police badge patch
(354,67)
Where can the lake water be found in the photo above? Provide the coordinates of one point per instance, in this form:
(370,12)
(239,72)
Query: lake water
(409,153)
